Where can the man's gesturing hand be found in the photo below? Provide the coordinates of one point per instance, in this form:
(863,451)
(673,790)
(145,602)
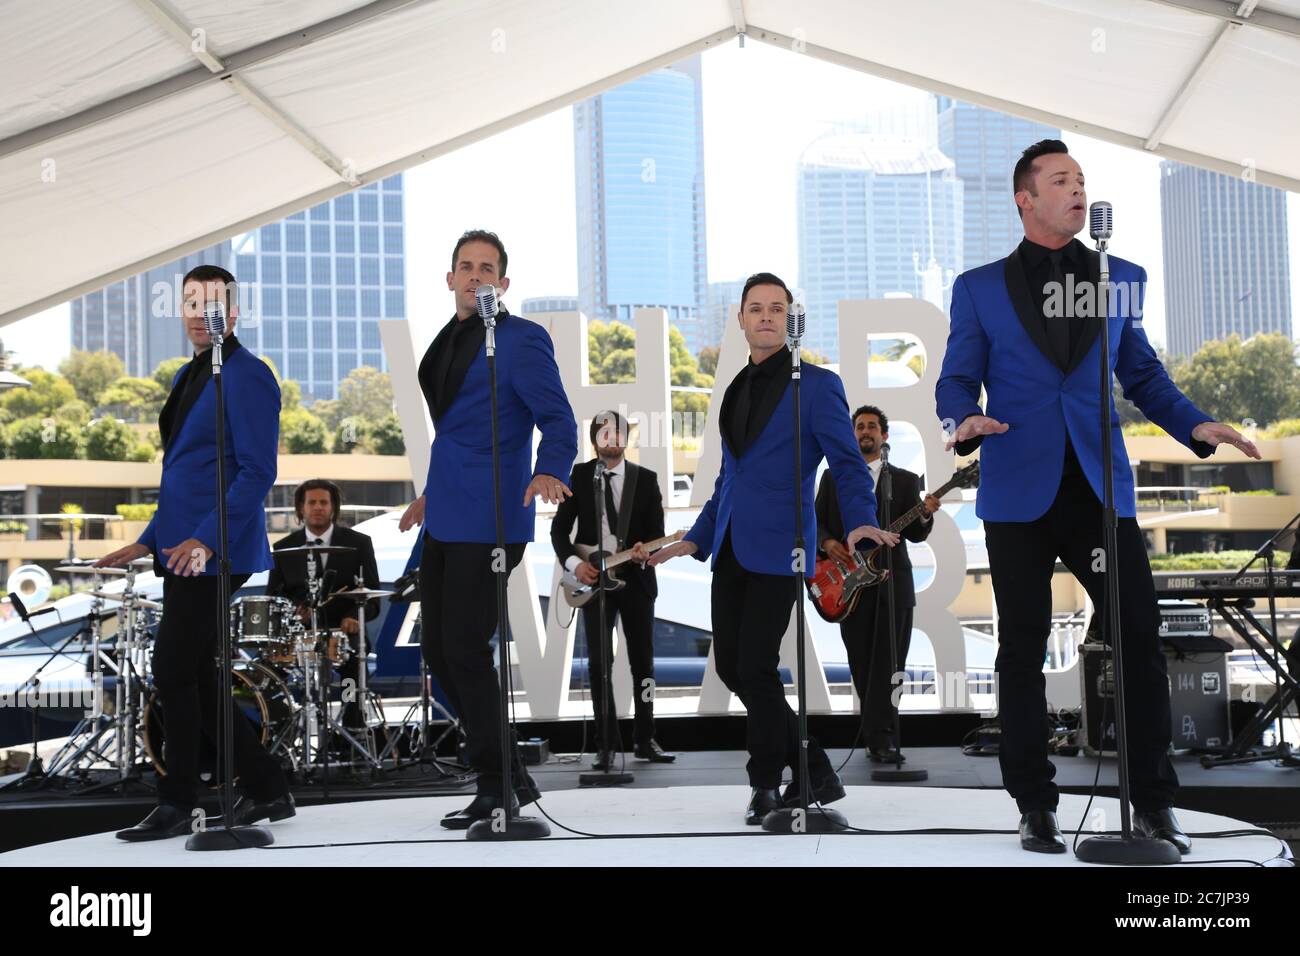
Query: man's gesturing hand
(551,490)
(1214,433)
(975,425)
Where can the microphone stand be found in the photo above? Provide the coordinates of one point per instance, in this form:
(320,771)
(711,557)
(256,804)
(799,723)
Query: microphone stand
(801,819)
(225,835)
(1126,848)
(506,823)
(607,777)
(884,494)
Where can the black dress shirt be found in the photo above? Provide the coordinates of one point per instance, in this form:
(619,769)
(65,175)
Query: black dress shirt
(751,386)
(457,351)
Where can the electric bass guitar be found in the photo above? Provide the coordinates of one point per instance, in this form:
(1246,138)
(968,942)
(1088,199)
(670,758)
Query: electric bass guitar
(835,589)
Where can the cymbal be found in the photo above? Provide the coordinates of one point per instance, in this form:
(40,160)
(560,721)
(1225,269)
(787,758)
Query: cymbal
(88,569)
(317,548)
(361,594)
(121,599)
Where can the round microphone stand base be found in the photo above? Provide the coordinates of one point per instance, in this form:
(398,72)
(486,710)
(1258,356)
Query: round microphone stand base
(1131,851)
(897,775)
(513,828)
(236,838)
(799,820)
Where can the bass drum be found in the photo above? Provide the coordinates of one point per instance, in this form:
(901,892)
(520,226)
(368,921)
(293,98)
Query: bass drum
(262,694)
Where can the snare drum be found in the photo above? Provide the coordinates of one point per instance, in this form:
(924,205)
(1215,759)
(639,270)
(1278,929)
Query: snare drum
(266,627)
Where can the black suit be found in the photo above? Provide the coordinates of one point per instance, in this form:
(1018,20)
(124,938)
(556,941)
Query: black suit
(288,579)
(634,603)
(869,658)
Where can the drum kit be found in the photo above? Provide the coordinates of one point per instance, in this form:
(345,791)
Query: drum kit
(284,663)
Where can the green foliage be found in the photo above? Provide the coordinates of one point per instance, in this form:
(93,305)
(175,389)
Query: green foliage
(107,439)
(90,373)
(302,433)
(386,437)
(136,399)
(1234,381)
(708,360)
(1200,560)
(137,512)
(1141,428)
(48,393)
(166,371)
(1282,428)
(37,437)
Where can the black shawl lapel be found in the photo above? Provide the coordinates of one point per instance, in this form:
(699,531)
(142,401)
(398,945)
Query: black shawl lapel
(1091,325)
(1018,287)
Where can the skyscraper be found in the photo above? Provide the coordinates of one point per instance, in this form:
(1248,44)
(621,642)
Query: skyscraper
(325,277)
(313,289)
(138,318)
(639,164)
(878,215)
(984,146)
(1226,259)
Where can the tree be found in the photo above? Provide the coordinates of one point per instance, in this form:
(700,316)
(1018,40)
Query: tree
(604,338)
(708,360)
(166,372)
(90,373)
(107,439)
(302,433)
(37,437)
(386,437)
(137,399)
(1234,381)
(366,393)
(75,412)
(48,392)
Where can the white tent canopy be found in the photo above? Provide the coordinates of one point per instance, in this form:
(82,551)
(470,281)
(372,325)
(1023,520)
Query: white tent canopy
(135,131)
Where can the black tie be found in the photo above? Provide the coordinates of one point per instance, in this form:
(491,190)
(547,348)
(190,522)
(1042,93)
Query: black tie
(1058,326)
(611,510)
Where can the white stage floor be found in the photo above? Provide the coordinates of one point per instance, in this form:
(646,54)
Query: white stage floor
(635,814)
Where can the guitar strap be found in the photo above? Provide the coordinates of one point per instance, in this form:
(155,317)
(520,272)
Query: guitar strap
(625,504)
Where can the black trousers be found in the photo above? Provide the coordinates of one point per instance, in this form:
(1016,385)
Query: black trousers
(871,665)
(637,610)
(751,612)
(185,677)
(458,616)
(1021,558)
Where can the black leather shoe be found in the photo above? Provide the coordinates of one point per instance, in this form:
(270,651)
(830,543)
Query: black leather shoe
(604,760)
(826,788)
(480,808)
(654,753)
(248,811)
(1162,825)
(1040,833)
(888,755)
(762,801)
(163,822)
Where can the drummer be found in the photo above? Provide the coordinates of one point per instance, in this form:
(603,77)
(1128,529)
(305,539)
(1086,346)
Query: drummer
(317,503)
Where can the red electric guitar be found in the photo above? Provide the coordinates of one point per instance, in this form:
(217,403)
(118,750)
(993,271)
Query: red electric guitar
(836,589)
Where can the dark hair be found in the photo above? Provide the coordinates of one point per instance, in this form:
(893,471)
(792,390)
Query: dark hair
(481,235)
(764,278)
(872,410)
(317,484)
(601,419)
(1023,177)
(207,273)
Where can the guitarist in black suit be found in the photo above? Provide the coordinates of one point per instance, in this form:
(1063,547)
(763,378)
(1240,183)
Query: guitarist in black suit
(317,503)
(869,660)
(634,511)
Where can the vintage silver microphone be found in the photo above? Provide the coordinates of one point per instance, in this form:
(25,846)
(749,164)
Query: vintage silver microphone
(214,320)
(1101,221)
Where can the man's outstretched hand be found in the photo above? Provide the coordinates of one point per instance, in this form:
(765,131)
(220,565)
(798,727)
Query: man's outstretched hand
(1215,433)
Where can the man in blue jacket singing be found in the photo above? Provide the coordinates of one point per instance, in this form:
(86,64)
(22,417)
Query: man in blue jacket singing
(458,601)
(747,527)
(1027,330)
(183,537)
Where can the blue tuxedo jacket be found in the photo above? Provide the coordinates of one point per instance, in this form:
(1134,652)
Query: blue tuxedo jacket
(754,491)
(996,339)
(458,502)
(187,495)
